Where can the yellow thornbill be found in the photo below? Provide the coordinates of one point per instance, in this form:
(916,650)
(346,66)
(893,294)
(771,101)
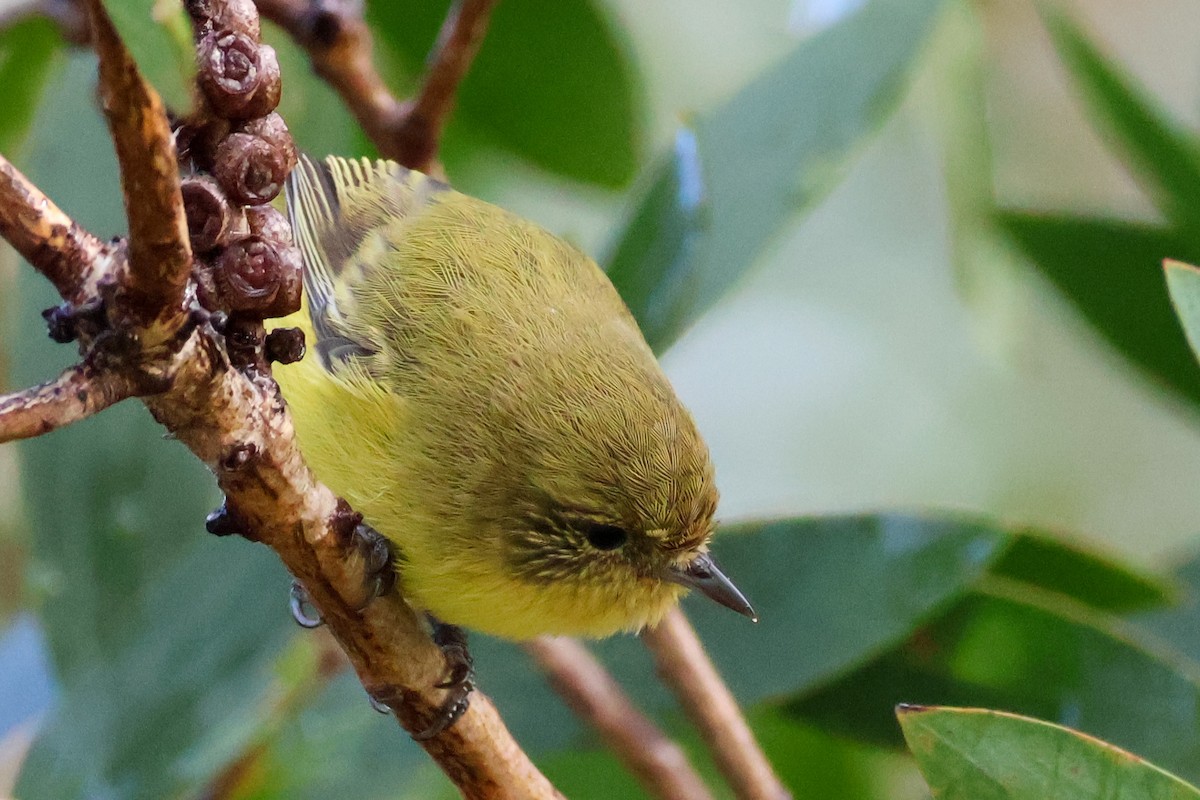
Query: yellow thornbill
(477,389)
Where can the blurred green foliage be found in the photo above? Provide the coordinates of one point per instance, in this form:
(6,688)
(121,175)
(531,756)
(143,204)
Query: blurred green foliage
(172,650)
(740,171)
(562,95)
(27,51)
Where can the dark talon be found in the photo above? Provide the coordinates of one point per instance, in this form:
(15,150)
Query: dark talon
(300,604)
(369,544)
(460,678)
(451,711)
(460,675)
(378,561)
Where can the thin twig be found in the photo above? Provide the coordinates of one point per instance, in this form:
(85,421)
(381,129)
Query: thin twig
(339,43)
(160,257)
(658,763)
(426,114)
(686,668)
(72,259)
(79,392)
(340,46)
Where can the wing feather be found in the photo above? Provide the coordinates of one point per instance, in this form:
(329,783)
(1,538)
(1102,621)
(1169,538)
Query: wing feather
(335,206)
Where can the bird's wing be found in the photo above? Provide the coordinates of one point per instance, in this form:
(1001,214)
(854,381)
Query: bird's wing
(336,206)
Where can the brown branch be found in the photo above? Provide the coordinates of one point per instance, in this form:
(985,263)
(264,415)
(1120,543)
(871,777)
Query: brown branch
(426,114)
(160,257)
(72,259)
(658,763)
(79,392)
(339,43)
(686,668)
(340,46)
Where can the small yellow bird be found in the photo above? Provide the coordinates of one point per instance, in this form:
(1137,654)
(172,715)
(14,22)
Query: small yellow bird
(480,393)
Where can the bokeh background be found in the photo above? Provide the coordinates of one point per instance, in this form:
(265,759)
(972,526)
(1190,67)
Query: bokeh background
(884,340)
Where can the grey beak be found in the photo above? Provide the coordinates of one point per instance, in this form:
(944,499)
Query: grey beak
(703,574)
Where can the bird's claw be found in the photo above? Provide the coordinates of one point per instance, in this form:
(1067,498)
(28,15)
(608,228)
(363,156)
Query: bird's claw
(378,705)
(378,562)
(301,605)
(459,681)
(456,704)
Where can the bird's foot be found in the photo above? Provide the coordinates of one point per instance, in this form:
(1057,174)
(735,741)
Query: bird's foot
(379,569)
(379,562)
(459,681)
(363,541)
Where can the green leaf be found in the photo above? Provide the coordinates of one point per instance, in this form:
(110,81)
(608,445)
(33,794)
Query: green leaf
(1165,158)
(1111,271)
(759,160)
(337,746)
(591,775)
(1013,648)
(159,35)
(799,575)
(1087,576)
(809,761)
(976,754)
(549,83)
(959,77)
(1183,284)
(27,51)
(169,691)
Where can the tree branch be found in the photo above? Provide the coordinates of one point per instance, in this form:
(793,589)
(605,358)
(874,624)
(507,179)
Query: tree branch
(160,257)
(658,763)
(72,259)
(686,668)
(339,44)
(79,392)
(426,114)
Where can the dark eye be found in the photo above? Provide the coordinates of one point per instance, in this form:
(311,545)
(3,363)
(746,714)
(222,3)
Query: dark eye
(605,537)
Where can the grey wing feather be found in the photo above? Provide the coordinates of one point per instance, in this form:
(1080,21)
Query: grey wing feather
(333,206)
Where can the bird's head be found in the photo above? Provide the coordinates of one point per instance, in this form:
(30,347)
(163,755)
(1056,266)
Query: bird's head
(619,532)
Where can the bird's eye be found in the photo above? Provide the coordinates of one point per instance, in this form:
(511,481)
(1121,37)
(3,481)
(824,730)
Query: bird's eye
(605,537)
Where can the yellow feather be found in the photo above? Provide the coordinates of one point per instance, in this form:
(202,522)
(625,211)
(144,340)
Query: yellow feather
(477,389)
